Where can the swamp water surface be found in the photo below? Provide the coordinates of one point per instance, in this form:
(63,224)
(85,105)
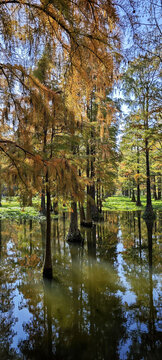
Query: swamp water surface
(104,302)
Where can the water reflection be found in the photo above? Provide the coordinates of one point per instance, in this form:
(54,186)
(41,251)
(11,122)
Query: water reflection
(104,302)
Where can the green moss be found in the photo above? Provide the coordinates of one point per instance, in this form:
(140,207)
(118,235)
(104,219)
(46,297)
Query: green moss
(122,203)
(11,208)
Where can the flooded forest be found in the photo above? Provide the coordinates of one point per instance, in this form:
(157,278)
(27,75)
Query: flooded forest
(80,180)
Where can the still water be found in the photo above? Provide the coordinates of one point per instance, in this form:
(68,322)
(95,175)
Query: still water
(104,302)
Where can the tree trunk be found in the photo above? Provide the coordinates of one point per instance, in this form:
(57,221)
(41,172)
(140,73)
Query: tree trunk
(148,210)
(82,214)
(133,192)
(159,187)
(138,202)
(154,188)
(47,269)
(94,210)
(88,217)
(133,196)
(100,200)
(139,229)
(0,237)
(126,192)
(55,207)
(30,227)
(43,203)
(74,234)
(0,196)
(29,200)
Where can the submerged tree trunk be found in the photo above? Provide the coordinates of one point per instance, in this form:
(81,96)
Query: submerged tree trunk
(74,234)
(139,229)
(47,269)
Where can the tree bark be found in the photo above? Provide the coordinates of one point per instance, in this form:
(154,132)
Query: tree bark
(138,202)
(55,207)
(74,234)
(148,210)
(159,187)
(88,217)
(133,196)
(82,214)
(47,269)
(126,192)
(154,188)
(148,186)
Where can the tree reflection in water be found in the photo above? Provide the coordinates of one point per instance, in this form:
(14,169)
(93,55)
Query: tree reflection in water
(104,302)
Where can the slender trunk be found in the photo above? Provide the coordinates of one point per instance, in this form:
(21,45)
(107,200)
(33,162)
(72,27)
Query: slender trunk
(74,234)
(47,270)
(97,194)
(94,210)
(126,192)
(133,196)
(148,209)
(30,227)
(100,200)
(159,187)
(89,217)
(0,189)
(154,187)
(0,237)
(43,203)
(149,203)
(138,202)
(133,191)
(30,200)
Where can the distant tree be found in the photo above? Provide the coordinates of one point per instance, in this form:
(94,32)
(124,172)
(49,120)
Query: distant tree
(141,86)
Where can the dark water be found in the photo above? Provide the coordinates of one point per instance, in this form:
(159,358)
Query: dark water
(105,300)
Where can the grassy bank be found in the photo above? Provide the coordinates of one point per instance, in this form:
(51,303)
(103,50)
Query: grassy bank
(11,208)
(123,203)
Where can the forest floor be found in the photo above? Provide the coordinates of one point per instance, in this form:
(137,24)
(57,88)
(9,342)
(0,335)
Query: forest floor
(123,203)
(12,208)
